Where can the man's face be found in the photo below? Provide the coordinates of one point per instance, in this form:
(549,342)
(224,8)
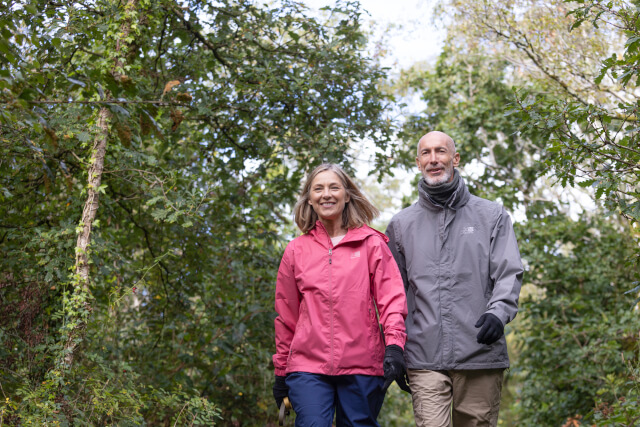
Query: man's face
(437,158)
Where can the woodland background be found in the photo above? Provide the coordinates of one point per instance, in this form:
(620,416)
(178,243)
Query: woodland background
(150,153)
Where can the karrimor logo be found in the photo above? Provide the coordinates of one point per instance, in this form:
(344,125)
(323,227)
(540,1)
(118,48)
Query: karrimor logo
(468,230)
(356,254)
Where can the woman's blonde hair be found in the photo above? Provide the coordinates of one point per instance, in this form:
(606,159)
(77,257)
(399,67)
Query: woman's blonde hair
(357,211)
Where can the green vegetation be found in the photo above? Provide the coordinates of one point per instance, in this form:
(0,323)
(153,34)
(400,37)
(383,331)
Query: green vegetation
(150,153)
(541,99)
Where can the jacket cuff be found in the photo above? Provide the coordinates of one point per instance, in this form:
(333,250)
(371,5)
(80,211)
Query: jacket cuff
(395,341)
(281,372)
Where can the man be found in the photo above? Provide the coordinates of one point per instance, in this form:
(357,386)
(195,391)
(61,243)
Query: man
(462,273)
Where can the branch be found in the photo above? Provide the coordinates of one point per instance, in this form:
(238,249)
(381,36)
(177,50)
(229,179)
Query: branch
(200,37)
(529,50)
(114,101)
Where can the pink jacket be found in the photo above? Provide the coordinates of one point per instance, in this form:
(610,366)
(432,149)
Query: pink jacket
(325,295)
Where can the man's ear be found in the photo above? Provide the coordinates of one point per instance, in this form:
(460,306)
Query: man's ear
(456,160)
(418,163)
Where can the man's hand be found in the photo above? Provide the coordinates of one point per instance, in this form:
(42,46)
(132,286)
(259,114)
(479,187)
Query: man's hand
(280,390)
(492,329)
(395,368)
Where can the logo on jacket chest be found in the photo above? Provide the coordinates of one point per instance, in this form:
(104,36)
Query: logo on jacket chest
(467,230)
(355,254)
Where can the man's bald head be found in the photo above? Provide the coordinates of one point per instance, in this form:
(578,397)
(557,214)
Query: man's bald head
(436,134)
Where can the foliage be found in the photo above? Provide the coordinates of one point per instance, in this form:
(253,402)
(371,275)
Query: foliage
(576,87)
(576,334)
(596,143)
(397,409)
(465,96)
(533,37)
(576,331)
(211,111)
(625,409)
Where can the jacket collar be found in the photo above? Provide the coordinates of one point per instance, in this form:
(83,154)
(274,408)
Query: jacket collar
(319,233)
(459,198)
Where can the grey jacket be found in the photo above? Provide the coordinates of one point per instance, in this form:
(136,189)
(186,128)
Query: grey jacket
(457,262)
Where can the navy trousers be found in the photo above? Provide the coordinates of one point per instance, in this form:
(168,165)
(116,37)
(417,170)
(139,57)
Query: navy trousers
(355,399)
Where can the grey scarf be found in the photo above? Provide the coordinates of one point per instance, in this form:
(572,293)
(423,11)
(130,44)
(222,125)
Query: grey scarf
(441,193)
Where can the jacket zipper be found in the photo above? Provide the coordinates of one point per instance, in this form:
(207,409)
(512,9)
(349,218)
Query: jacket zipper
(331,310)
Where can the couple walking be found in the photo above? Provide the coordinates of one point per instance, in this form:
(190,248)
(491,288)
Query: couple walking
(442,283)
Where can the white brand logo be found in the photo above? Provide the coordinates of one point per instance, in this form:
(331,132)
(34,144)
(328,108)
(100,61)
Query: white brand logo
(468,230)
(356,254)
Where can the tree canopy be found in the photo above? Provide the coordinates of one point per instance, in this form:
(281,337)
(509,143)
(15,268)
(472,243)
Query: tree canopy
(540,98)
(149,153)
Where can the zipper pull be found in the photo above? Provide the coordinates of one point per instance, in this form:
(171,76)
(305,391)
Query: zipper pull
(329,255)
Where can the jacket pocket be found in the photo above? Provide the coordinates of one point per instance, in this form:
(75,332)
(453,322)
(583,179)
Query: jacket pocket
(300,334)
(375,332)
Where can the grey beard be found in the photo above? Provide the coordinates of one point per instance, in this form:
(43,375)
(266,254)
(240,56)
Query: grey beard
(442,180)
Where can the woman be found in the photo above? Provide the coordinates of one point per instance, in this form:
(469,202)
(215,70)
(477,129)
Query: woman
(329,350)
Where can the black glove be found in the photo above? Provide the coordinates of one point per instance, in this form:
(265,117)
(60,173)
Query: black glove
(280,390)
(492,329)
(395,368)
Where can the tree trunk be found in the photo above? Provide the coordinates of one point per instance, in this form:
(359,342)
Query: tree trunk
(81,299)
(84,238)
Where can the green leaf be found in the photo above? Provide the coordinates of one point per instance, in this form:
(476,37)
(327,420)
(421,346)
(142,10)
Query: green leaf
(83,136)
(160,214)
(31,9)
(154,200)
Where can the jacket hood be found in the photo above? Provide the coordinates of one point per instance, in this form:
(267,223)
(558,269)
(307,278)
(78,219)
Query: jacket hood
(320,234)
(459,198)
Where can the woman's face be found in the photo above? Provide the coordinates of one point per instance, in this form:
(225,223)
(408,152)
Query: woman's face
(328,196)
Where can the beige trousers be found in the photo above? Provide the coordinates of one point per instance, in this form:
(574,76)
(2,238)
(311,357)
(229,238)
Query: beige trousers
(456,398)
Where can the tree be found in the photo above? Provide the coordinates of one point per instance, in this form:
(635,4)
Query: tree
(465,95)
(204,117)
(596,143)
(576,334)
(573,309)
(574,91)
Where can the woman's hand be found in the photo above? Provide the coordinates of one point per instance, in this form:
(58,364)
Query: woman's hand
(280,390)
(395,368)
